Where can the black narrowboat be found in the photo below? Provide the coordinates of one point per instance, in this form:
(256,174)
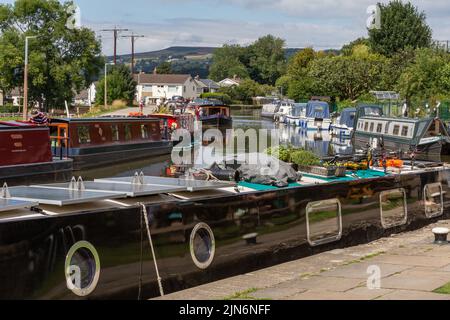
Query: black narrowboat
(96,142)
(101,249)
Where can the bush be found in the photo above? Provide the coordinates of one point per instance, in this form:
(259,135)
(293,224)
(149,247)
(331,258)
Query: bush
(119,104)
(225,98)
(292,155)
(305,158)
(9,108)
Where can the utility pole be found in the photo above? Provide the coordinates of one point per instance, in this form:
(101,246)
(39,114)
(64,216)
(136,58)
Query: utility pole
(116,34)
(133,38)
(25,80)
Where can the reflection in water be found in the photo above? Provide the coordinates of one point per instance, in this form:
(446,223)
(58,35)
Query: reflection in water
(321,143)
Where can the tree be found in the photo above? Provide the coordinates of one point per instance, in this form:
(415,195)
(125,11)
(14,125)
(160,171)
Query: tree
(121,86)
(402,26)
(227,63)
(62,60)
(164,68)
(347,50)
(267,59)
(299,63)
(247,90)
(425,78)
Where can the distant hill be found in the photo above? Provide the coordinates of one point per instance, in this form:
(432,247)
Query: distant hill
(192,60)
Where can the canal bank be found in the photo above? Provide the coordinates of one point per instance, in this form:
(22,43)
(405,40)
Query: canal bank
(412,268)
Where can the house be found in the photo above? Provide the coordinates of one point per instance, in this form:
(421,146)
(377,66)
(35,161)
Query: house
(210,85)
(230,82)
(151,87)
(87,96)
(14,97)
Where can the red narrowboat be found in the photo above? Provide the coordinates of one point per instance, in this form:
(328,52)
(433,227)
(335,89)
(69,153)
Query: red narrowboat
(95,142)
(170,122)
(26,156)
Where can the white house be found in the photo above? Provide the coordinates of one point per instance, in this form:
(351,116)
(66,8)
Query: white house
(152,87)
(87,96)
(230,82)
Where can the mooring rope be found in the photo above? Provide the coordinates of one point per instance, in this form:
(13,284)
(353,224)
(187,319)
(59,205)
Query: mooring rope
(144,212)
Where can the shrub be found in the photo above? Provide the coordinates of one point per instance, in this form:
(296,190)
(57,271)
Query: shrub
(225,98)
(305,158)
(9,108)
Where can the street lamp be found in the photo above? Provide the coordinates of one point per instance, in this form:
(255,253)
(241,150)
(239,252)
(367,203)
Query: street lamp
(106,82)
(25,80)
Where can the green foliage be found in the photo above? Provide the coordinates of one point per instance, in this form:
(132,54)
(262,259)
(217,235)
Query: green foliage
(347,50)
(427,76)
(62,61)
(121,86)
(262,61)
(294,155)
(225,98)
(9,108)
(164,68)
(305,158)
(247,90)
(402,26)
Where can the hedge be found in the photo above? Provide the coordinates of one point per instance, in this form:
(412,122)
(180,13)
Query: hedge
(225,98)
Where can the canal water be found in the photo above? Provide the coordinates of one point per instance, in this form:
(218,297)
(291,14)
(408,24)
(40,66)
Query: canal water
(321,143)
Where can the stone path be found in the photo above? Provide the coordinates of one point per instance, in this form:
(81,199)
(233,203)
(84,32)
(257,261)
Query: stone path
(410,265)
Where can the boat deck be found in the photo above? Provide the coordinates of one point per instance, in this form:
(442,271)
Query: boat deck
(41,201)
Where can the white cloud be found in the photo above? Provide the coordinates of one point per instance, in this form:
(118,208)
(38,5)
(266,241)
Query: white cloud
(318,23)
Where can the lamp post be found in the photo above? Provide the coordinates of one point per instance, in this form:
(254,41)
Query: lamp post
(25,80)
(106,82)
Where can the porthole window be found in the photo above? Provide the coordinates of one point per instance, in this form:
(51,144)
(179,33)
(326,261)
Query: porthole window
(82,268)
(434,200)
(393,208)
(202,245)
(324,222)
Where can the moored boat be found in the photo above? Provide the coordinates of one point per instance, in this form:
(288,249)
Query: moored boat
(317,116)
(426,138)
(215,115)
(26,156)
(90,248)
(345,123)
(95,142)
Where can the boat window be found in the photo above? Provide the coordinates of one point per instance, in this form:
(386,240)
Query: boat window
(372,126)
(115,132)
(324,222)
(434,200)
(144,131)
(128,132)
(393,208)
(405,130)
(84,135)
(396,130)
(82,268)
(380,128)
(366,126)
(202,246)
(386,128)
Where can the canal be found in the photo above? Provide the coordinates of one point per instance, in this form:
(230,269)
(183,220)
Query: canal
(321,143)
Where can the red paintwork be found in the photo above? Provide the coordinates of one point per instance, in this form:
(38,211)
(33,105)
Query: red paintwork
(101,132)
(183,121)
(22,143)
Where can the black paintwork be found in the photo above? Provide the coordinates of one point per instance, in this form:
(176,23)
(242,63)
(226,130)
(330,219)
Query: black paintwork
(32,251)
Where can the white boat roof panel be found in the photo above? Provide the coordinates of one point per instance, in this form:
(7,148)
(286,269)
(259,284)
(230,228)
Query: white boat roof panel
(60,197)
(12,204)
(130,190)
(184,184)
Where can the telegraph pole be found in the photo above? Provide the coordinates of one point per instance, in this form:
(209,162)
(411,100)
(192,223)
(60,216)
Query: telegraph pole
(25,80)
(133,38)
(116,34)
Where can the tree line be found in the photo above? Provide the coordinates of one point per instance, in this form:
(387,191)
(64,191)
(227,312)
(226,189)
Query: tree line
(399,56)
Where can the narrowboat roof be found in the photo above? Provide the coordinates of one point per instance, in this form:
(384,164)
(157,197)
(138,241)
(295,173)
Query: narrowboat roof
(103,119)
(8,125)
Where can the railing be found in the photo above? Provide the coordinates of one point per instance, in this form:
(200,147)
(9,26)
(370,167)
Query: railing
(60,147)
(11,115)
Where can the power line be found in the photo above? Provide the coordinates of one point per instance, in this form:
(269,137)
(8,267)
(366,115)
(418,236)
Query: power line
(116,33)
(133,38)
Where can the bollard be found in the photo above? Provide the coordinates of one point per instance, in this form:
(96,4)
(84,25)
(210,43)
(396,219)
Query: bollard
(440,235)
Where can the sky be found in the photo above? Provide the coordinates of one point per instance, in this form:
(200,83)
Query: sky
(321,24)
